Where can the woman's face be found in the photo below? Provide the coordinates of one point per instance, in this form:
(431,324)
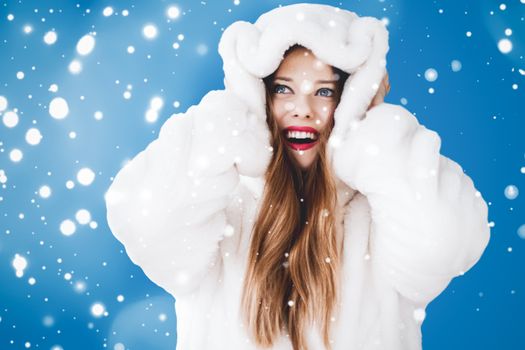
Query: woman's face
(303,100)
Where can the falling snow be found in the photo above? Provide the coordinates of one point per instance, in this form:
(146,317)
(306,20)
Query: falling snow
(85,45)
(98,310)
(511,192)
(173,12)
(67,128)
(67,227)
(16,155)
(431,74)
(58,108)
(19,263)
(44,191)
(149,31)
(85,176)
(108,11)
(50,38)
(505,45)
(10,119)
(75,66)
(33,136)
(455,65)
(83,216)
(3,103)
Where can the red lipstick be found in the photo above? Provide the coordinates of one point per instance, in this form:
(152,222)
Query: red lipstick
(302,128)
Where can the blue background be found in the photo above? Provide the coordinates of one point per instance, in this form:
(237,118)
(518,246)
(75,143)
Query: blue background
(476,110)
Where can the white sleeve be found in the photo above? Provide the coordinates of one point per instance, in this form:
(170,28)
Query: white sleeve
(429,223)
(169,218)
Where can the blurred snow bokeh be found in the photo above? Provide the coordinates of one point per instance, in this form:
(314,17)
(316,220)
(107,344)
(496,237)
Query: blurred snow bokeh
(85,86)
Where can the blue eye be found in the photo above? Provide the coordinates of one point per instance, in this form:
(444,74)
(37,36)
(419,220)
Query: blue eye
(325,92)
(280,89)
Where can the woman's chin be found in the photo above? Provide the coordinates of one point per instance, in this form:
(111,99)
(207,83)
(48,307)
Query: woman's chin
(304,159)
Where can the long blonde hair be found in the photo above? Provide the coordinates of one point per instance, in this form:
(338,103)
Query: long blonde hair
(292,275)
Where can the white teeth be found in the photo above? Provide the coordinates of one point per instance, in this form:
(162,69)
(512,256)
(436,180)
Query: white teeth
(301,135)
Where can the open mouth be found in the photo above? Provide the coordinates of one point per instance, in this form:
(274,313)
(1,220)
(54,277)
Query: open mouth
(301,139)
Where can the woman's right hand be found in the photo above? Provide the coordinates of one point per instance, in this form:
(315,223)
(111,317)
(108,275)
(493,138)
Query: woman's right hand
(168,204)
(225,134)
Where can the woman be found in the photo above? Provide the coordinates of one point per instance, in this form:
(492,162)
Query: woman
(294,210)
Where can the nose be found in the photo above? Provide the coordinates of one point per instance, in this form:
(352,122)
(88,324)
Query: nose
(302,107)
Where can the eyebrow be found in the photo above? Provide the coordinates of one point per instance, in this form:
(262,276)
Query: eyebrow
(317,81)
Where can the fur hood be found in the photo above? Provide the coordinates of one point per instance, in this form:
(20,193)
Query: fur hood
(356,45)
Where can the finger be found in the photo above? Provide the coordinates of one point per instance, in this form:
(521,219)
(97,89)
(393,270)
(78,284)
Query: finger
(375,101)
(379,96)
(386,83)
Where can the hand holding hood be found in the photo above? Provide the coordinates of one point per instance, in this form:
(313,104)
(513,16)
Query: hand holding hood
(356,45)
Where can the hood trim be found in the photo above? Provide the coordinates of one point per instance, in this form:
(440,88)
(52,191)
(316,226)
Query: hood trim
(356,45)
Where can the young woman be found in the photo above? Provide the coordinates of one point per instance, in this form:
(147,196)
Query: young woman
(294,209)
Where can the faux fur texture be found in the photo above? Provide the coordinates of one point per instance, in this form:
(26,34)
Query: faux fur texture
(185,206)
(357,45)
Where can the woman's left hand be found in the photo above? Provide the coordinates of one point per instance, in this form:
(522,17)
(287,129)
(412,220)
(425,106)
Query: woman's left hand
(429,223)
(382,91)
(388,151)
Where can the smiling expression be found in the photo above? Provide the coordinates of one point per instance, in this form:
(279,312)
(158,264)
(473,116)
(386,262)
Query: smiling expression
(303,100)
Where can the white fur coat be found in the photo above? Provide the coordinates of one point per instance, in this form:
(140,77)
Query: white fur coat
(185,206)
